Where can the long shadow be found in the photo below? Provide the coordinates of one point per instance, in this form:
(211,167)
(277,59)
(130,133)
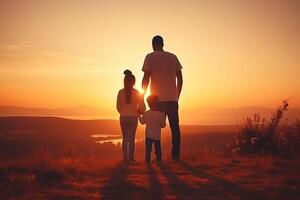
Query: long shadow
(223,186)
(155,187)
(179,188)
(117,187)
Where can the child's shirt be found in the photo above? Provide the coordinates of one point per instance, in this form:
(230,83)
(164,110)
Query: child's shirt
(130,109)
(154,120)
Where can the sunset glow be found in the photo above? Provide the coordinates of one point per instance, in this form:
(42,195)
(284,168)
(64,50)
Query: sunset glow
(56,54)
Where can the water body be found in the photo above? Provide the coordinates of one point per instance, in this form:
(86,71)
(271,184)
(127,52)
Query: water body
(107,138)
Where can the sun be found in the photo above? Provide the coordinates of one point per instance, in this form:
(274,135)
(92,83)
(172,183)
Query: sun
(142,92)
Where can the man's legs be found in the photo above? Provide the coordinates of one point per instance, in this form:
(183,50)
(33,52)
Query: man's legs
(174,125)
(148,142)
(171,108)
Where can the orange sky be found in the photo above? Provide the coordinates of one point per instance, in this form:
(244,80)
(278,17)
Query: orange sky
(68,53)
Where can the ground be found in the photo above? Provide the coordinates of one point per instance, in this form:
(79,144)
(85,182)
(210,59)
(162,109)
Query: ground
(239,178)
(71,165)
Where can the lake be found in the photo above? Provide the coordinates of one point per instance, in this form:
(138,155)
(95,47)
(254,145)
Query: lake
(110,138)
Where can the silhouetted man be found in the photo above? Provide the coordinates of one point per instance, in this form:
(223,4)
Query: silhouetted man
(163,68)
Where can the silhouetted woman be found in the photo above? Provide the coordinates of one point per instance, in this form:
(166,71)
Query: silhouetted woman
(130,104)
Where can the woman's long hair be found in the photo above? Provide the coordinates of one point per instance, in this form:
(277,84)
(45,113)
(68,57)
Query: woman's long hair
(129,81)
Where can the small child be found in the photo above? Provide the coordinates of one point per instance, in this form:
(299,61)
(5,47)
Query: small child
(130,104)
(154,120)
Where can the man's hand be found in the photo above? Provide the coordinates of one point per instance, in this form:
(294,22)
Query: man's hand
(179,82)
(142,119)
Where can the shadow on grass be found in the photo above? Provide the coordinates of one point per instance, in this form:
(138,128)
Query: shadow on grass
(155,187)
(221,188)
(179,188)
(118,187)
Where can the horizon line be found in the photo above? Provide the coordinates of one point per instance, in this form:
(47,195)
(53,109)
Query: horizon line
(88,106)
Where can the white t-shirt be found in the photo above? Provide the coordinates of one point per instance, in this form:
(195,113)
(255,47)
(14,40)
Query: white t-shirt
(132,108)
(163,67)
(154,120)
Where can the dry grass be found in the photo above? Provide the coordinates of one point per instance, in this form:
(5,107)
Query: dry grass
(77,168)
(43,175)
(262,136)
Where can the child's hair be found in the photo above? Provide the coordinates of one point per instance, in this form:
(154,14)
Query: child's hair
(129,81)
(152,100)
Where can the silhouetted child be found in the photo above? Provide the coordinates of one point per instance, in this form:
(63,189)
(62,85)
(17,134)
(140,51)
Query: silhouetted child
(154,120)
(130,104)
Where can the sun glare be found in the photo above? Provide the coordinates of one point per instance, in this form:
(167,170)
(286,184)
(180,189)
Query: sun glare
(141,90)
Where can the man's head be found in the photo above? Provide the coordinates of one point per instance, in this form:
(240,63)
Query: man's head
(157,43)
(153,101)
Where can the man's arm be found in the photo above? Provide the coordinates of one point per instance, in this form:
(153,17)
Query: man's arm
(141,104)
(145,81)
(179,82)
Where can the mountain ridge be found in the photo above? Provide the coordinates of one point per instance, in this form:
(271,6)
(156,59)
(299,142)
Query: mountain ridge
(210,115)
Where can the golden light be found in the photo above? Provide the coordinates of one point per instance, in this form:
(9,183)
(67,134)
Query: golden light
(74,52)
(141,90)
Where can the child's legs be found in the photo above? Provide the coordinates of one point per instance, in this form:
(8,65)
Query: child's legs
(131,136)
(157,147)
(124,124)
(148,143)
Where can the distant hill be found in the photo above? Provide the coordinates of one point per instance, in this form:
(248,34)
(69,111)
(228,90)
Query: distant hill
(62,126)
(198,115)
(72,111)
(219,115)
(58,125)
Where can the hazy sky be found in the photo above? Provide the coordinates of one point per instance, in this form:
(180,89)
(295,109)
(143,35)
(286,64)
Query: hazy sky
(66,53)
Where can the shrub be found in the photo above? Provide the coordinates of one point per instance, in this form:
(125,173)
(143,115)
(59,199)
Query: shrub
(258,135)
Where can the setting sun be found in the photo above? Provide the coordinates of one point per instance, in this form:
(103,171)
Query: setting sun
(59,54)
(150,99)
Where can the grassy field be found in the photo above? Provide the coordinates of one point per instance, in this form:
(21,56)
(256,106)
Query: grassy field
(39,164)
